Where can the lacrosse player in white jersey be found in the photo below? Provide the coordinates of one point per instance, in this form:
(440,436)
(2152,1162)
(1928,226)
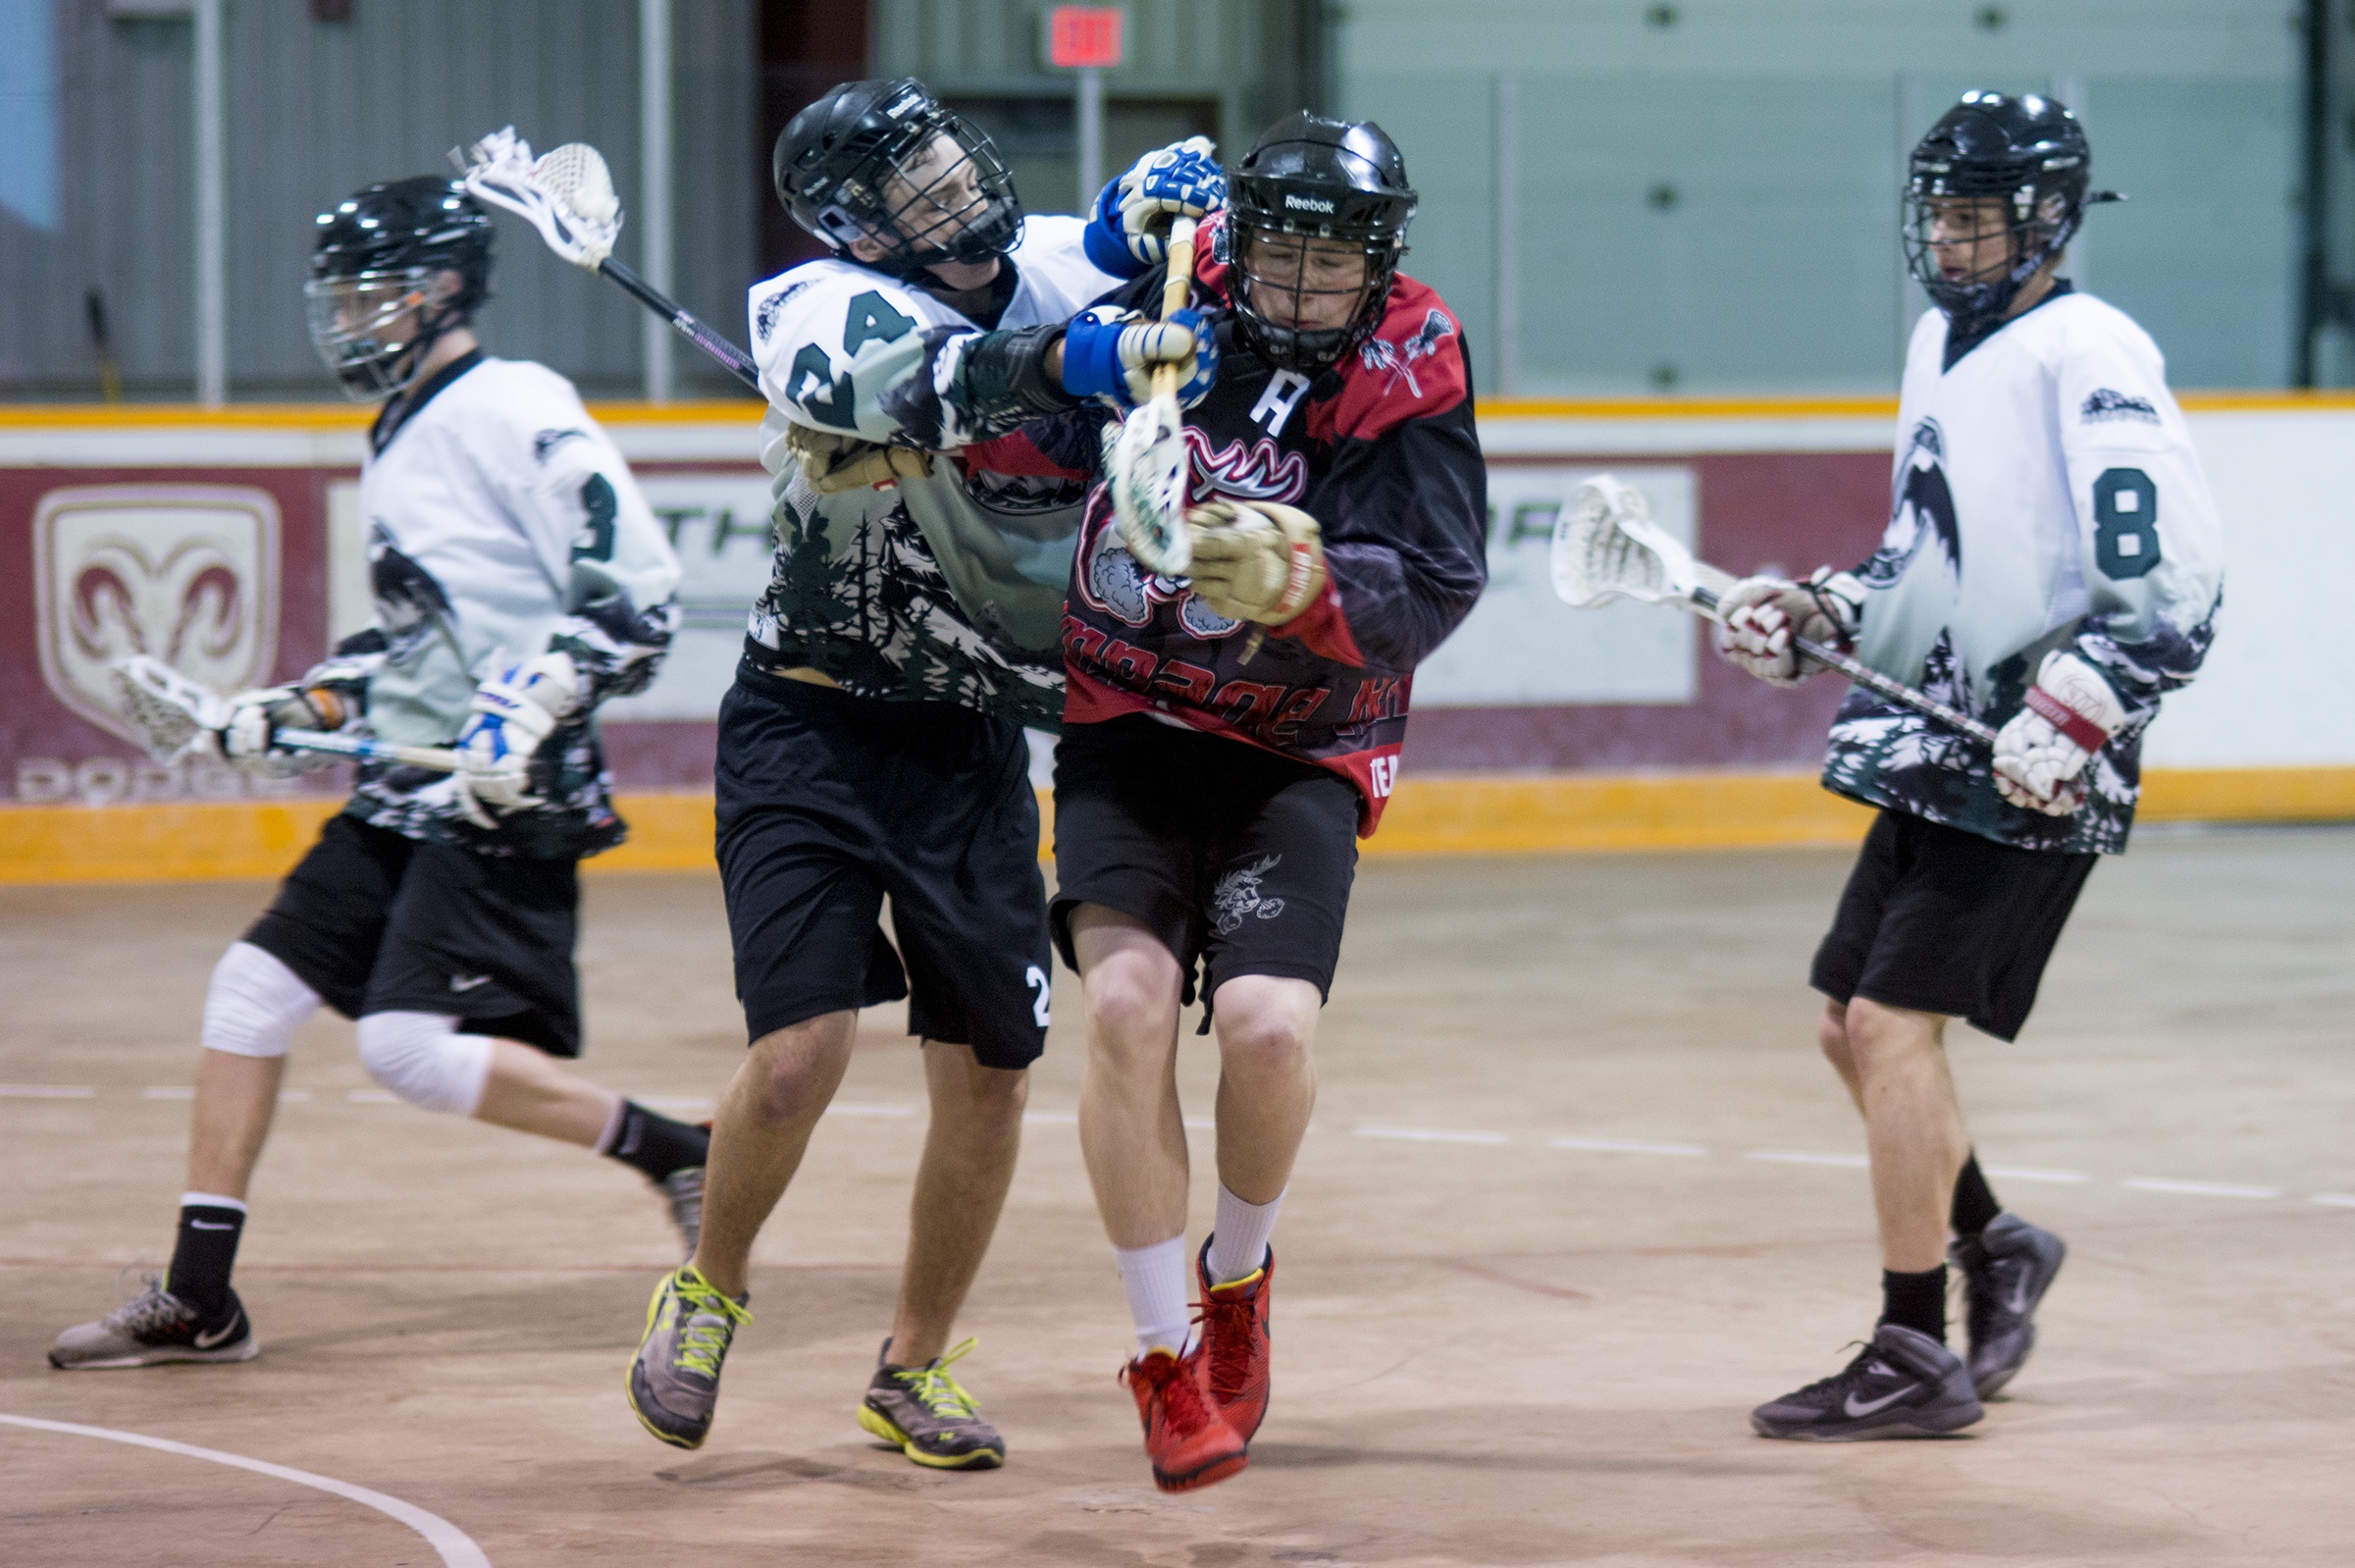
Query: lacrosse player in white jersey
(925,386)
(2053,565)
(519,580)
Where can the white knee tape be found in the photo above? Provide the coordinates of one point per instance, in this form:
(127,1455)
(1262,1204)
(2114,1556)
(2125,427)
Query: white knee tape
(254,1004)
(424,1059)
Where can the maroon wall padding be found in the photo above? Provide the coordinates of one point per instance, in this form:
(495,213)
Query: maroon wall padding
(805,47)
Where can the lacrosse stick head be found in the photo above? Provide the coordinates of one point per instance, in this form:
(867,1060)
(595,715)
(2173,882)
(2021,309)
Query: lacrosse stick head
(173,713)
(1148,468)
(1606,546)
(567,195)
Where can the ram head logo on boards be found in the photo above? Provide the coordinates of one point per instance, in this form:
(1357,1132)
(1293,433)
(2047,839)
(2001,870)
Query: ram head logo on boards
(184,573)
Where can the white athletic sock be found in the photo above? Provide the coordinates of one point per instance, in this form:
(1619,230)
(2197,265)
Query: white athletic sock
(1239,1245)
(1155,1279)
(211,1200)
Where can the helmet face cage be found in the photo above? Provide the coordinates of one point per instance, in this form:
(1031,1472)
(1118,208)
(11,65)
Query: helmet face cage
(935,192)
(2001,214)
(372,329)
(1283,281)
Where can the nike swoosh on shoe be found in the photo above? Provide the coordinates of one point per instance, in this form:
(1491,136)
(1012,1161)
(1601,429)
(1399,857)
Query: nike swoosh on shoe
(209,1342)
(1856,1410)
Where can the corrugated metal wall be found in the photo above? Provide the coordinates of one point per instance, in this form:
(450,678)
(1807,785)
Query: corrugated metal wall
(317,109)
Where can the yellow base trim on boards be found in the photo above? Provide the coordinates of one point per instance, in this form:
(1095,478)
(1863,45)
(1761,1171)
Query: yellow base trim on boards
(1463,814)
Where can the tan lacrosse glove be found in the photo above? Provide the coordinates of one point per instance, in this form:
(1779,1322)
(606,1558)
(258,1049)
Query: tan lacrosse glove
(1257,561)
(835,463)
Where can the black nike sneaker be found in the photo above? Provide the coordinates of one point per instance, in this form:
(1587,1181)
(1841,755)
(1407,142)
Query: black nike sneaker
(2006,1270)
(155,1326)
(1902,1385)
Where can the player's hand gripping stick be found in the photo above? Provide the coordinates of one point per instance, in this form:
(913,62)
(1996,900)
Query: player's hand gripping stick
(175,716)
(1606,546)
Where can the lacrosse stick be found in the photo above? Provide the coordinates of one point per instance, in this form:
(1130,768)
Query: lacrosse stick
(175,716)
(568,196)
(1606,546)
(1148,465)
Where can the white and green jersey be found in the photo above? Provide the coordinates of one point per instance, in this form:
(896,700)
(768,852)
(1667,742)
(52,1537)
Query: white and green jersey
(940,588)
(2046,496)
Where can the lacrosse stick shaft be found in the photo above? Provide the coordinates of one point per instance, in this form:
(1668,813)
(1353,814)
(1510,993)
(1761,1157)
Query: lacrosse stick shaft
(439,759)
(1175,293)
(1873,680)
(685,323)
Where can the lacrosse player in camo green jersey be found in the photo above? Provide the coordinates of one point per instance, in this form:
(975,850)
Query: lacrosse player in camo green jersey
(931,458)
(2053,566)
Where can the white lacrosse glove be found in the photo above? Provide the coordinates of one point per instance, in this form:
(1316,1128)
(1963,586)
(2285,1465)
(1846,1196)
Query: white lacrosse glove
(1181,180)
(1759,617)
(248,732)
(513,713)
(1257,561)
(2040,756)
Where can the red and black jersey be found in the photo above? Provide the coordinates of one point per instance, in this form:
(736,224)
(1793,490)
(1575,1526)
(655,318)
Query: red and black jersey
(1382,451)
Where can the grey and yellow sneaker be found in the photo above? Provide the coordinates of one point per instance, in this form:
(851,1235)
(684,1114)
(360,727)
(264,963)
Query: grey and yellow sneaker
(2006,1270)
(683,1190)
(674,1383)
(1902,1385)
(155,1326)
(924,1413)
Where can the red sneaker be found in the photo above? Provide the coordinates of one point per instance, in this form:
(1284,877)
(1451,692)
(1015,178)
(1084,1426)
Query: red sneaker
(1235,1343)
(1188,1442)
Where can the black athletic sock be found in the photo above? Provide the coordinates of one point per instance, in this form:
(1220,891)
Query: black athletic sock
(654,1143)
(1975,1200)
(1915,1301)
(202,1256)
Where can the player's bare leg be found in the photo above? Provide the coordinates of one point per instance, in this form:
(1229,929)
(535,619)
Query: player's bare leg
(1913,1129)
(529,1091)
(1267,1080)
(961,1184)
(912,1402)
(1131,1132)
(237,1097)
(1133,1137)
(760,1133)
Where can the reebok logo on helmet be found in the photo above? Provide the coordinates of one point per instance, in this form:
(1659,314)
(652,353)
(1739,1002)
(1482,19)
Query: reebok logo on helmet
(1307,203)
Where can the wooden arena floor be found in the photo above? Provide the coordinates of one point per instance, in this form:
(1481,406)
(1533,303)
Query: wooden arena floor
(1499,1339)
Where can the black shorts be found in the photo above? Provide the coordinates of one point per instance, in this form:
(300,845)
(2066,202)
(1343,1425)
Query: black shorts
(1940,920)
(376,923)
(827,803)
(1237,858)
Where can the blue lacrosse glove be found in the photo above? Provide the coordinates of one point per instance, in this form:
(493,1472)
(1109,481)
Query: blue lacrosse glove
(512,713)
(1129,229)
(1108,353)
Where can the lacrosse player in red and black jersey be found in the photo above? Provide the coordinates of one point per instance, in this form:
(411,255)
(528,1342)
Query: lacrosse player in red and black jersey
(1228,737)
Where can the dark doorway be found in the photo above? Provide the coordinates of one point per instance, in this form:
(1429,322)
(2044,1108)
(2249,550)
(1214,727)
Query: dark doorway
(805,47)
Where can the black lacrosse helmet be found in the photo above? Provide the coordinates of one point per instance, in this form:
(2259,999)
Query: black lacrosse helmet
(372,300)
(2029,153)
(1317,179)
(867,161)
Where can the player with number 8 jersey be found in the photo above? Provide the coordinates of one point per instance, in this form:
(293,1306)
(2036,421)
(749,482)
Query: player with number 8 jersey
(2052,564)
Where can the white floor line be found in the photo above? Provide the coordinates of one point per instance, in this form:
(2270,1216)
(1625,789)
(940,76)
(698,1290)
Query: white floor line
(1625,1146)
(1056,1118)
(676,1102)
(293,1096)
(46,1091)
(168,1092)
(457,1550)
(2019,1173)
(1853,1162)
(839,1108)
(1432,1135)
(2336,1200)
(2202,1189)
(372,1097)
(1200,1123)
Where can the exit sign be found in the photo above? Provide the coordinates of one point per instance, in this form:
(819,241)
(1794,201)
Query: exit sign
(1081,37)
